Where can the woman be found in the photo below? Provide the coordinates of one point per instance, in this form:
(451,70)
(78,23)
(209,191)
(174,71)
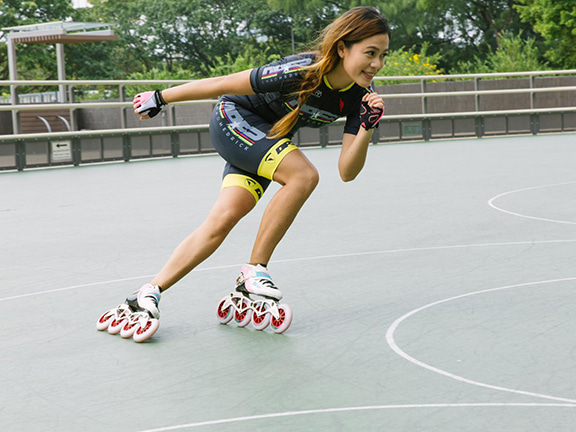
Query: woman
(251,127)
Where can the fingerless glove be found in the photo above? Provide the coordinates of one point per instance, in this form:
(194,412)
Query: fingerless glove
(370,116)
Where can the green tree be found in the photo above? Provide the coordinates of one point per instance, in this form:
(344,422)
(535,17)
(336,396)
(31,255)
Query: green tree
(555,20)
(195,34)
(514,54)
(458,30)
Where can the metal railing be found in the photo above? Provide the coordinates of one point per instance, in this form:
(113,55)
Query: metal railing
(20,151)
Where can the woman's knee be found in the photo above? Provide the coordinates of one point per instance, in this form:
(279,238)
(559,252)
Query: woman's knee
(233,204)
(296,169)
(309,178)
(222,221)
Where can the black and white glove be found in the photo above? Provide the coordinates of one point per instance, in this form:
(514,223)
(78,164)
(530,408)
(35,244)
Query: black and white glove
(370,116)
(149,103)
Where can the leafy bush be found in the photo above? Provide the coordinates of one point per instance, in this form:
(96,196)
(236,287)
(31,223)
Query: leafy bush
(404,62)
(513,54)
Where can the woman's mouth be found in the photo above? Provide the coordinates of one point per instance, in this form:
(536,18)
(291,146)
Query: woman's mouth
(367,75)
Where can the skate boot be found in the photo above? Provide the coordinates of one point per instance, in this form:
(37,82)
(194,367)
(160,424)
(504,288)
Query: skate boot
(137,318)
(255,280)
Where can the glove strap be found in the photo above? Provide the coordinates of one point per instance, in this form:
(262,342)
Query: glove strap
(160,102)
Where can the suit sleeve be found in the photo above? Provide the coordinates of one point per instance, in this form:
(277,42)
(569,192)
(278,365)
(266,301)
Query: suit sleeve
(353,120)
(280,76)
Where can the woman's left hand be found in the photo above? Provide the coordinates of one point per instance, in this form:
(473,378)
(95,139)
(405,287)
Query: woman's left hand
(371,110)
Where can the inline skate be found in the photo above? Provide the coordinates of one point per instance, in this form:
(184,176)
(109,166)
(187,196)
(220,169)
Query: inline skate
(262,312)
(136,318)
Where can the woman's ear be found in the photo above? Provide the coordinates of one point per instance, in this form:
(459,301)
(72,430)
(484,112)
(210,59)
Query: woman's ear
(340,47)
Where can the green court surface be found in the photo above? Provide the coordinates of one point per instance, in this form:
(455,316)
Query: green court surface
(437,292)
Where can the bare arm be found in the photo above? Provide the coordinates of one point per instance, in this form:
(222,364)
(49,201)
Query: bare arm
(237,83)
(355,147)
(353,154)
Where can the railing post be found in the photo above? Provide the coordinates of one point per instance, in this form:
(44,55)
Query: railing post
(123,118)
(424,99)
(376,134)
(426,129)
(126,148)
(479,126)
(534,118)
(535,123)
(175,141)
(477,105)
(20,155)
(76,151)
(532,94)
(73,119)
(323,131)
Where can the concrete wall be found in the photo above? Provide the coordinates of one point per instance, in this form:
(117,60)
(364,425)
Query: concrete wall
(5,123)
(95,119)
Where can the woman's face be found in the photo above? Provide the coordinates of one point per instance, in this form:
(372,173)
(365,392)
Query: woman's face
(363,60)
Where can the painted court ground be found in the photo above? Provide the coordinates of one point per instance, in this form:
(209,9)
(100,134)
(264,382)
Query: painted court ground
(437,292)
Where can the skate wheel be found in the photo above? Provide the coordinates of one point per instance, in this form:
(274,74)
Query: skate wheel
(223,314)
(128,328)
(105,319)
(146,331)
(116,325)
(281,324)
(260,317)
(243,314)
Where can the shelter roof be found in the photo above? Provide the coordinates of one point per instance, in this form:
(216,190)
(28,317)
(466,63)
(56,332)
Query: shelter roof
(64,32)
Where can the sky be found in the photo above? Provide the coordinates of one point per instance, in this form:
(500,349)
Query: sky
(80,3)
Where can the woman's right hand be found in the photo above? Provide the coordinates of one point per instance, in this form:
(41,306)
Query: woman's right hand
(148,104)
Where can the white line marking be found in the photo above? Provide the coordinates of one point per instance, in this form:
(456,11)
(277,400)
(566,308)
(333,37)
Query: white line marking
(347,255)
(392,343)
(491,203)
(72,287)
(361,408)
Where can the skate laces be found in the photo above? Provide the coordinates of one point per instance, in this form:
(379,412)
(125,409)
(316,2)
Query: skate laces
(263,277)
(255,279)
(267,282)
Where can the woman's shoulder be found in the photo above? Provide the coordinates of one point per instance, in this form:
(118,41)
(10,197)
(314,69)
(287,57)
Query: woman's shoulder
(291,63)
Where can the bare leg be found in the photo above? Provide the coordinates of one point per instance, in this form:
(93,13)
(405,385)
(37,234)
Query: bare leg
(299,179)
(232,204)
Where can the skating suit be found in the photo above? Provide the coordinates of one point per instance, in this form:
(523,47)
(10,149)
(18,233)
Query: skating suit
(240,124)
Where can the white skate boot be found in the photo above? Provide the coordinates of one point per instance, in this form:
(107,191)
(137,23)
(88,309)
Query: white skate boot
(255,280)
(137,318)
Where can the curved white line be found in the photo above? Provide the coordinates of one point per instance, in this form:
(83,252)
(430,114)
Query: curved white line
(432,248)
(348,409)
(491,203)
(392,343)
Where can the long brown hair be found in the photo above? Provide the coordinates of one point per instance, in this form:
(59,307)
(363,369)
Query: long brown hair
(353,26)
